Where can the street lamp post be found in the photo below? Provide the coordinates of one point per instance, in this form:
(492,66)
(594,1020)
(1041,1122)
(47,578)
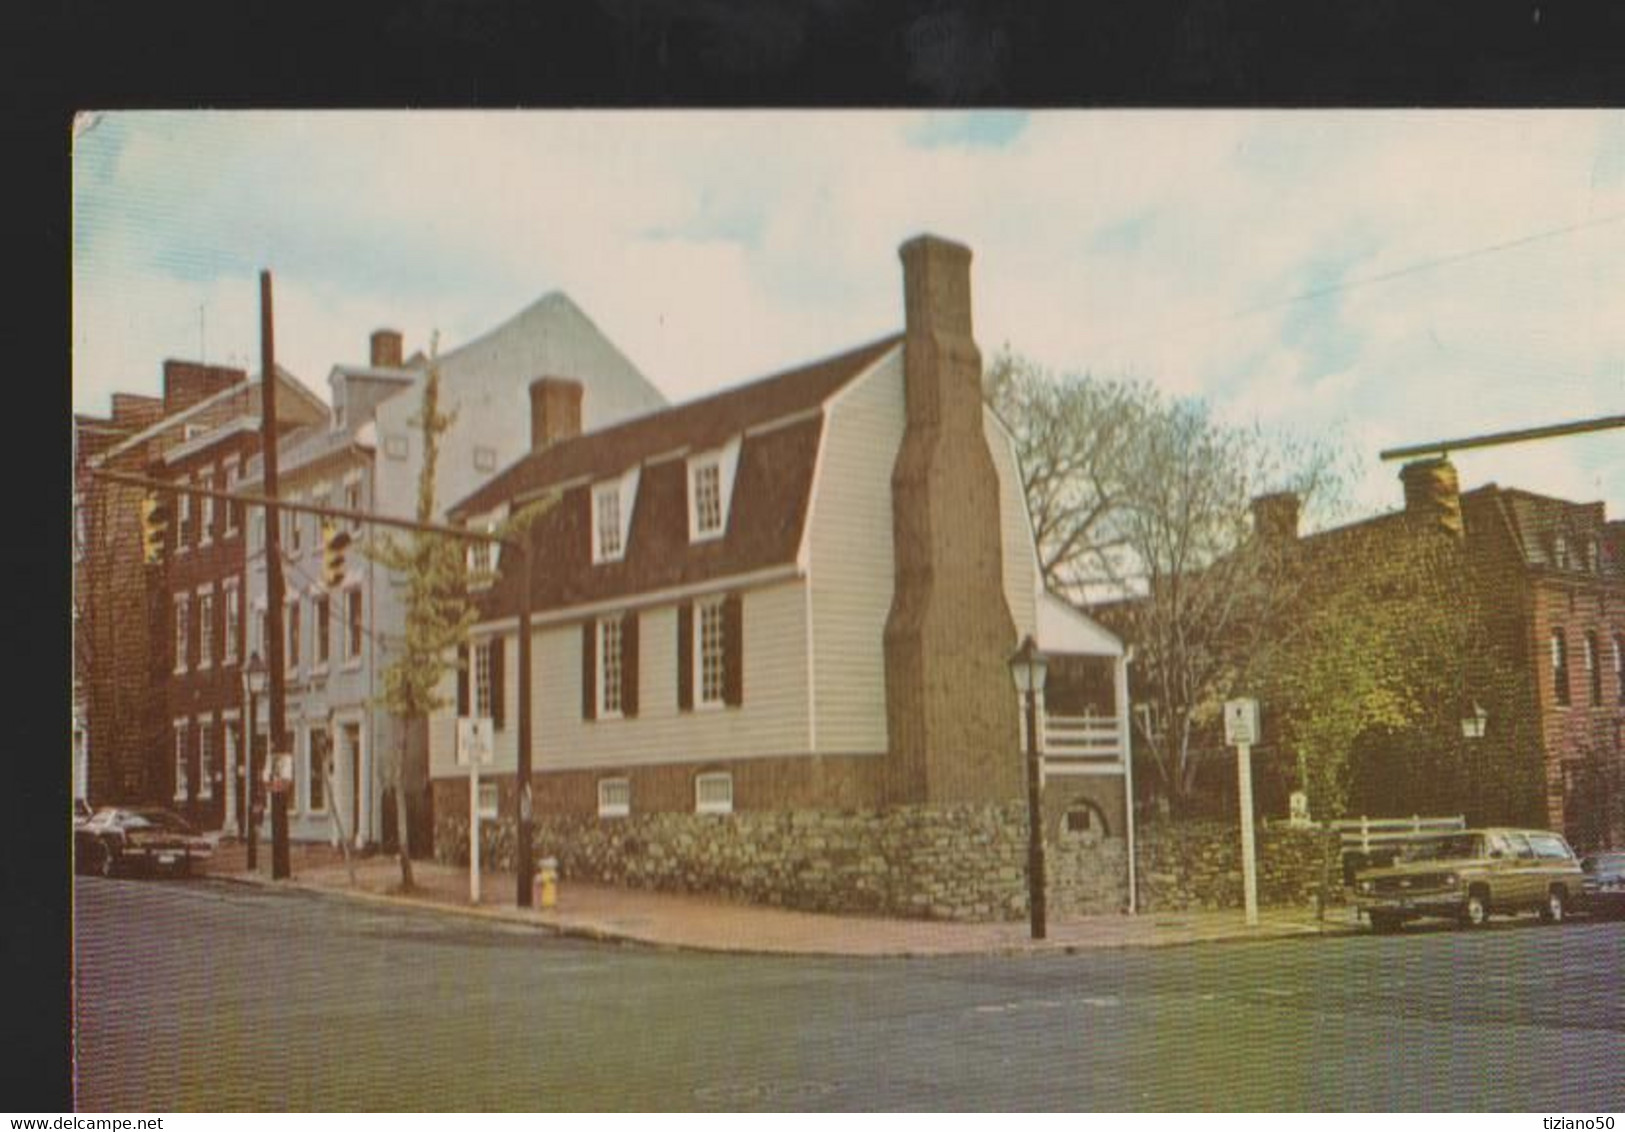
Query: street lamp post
(1029,667)
(253,684)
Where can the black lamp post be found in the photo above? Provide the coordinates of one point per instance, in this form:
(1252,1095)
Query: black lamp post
(254,685)
(1029,667)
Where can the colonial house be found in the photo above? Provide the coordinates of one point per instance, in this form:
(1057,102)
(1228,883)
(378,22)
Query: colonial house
(772,632)
(366,456)
(128,615)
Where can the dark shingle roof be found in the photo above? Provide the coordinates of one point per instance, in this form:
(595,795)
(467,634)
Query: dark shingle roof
(772,487)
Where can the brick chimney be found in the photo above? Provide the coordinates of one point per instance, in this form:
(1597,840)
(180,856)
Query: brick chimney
(187,383)
(386,349)
(1432,491)
(136,411)
(951,713)
(1275,516)
(555,411)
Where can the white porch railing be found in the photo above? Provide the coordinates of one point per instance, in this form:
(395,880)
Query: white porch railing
(1073,744)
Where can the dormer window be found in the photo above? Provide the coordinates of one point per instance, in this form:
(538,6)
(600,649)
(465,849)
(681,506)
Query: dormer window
(1560,552)
(710,490)
(484,555)
(612,503)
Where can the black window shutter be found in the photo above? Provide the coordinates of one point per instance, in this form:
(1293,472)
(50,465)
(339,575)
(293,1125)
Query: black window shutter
(685,656)
(589,670)
(499,647)
(629,665)
(462,680)
(733,650)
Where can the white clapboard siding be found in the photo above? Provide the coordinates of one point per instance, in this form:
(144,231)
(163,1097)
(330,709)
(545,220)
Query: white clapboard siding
(1020,558)
(851,564)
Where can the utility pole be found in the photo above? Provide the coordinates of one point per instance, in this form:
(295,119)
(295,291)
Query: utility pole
(274,590)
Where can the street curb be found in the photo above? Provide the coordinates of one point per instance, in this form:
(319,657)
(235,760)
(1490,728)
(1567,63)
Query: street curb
(598,934)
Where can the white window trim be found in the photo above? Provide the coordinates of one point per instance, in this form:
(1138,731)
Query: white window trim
(609,809)
(205,510)
(205,779)
(319,663)
(231,643)
(700,702)
(205,633)
(603,625)
(181,618)
(183,522)
(489,810)
(625,489)
(352,659)
(714,807)
(228,528)
(485,577)
(179,753)
(726,460)
(353,480)
(480,648)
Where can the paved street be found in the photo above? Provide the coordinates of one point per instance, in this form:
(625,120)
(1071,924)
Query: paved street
(210,996)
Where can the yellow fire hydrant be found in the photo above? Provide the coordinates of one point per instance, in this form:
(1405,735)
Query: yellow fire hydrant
(547,883)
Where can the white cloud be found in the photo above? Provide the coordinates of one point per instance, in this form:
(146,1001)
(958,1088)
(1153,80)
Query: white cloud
(712,247)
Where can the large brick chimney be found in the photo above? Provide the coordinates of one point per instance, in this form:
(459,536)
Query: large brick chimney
(1275,516)
(1432,491)
(555,410)
(187,383)
(386,349)
(951,712)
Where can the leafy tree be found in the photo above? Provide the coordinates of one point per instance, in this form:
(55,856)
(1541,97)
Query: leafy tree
(1141,508)
(438,611)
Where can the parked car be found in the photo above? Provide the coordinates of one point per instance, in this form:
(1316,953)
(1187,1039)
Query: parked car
(117,840)
(1603,884)
(1470,876)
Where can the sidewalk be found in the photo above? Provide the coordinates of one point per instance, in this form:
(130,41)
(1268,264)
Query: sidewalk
(712,924)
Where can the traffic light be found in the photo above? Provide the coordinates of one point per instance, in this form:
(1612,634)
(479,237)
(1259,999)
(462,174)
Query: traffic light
(334,543)
(154,526)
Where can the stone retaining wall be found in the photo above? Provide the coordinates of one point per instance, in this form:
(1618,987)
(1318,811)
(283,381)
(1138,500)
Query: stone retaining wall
(962,863)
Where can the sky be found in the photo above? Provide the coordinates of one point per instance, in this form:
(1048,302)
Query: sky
(1375,278)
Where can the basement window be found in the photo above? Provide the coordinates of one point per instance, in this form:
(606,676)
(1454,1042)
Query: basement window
(488,801)
(614,797)
(714,793)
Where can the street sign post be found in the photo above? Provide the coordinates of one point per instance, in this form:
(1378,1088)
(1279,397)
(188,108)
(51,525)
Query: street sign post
(1241,731)
(474,751)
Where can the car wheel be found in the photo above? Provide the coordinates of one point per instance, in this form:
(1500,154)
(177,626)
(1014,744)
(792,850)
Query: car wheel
(1384,922)
(1556,907)
(106,859)
(1476,912)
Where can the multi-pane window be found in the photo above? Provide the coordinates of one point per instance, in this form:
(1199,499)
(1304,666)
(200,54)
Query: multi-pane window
(609,667)
(183,630)
(205,628)
(714,793)
(352,624)
(180,763)
(183,520)
(707,498)
(318,766)
(206,506)
(205,760)
(292,644)
(1593,668)
(614,797)
(256,531)
(607,506)
(262,631)
(234,616)
(233,509)
(1560,667)
(482,680)
(320,610)
(710,649)
(1560,552)
(293,526)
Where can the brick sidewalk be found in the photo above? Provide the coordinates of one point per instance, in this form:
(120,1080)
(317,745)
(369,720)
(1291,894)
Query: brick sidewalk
(713,924)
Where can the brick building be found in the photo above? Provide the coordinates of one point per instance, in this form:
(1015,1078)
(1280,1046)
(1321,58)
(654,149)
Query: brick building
(126,612)
(771,635)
